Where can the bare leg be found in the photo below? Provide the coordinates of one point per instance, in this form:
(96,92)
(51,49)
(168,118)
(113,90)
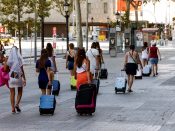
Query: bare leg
(20,90)
(152,69)
(43,91)
(156,69)
(131,78)
(12,98)
(71,73)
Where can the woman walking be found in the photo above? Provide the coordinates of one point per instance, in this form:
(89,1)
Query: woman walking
(82,68)
(51,57)
(154,54)
(43,67)
(145,54)
(17,78)
(70,58)
(131,65)
(100,56)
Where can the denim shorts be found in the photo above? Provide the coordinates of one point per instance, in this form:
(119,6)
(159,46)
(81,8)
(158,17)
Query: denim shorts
(153,60)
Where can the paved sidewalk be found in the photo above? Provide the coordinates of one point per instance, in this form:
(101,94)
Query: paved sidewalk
(149,108)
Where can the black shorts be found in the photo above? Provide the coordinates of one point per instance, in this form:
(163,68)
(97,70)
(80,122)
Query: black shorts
(131,68)
(70,65)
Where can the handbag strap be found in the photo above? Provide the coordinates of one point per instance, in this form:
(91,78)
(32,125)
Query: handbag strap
(132,58)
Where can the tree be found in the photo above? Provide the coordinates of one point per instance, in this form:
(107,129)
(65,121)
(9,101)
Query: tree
(13,11)
(78,23)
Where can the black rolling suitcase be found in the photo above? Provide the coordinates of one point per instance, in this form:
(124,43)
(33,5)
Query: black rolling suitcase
(103,72)
(85,101)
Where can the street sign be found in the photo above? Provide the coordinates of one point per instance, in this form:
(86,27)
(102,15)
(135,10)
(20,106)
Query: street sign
(118,28)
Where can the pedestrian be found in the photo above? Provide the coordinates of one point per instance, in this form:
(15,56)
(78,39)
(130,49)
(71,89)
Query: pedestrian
(100,56)
(82,68)
(70,56)
(43,67)
(131,65)
(145,54)
(92,54)
(154,54)
(2,49)
(51,57)
(17,78)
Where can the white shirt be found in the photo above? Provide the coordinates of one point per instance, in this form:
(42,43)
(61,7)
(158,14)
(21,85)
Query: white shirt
(92,54)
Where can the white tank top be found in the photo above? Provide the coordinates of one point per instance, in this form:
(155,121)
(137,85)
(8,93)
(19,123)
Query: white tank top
(81,69)
(145,54)
(130,59)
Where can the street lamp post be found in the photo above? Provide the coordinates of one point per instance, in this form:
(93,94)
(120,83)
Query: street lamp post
(118,28)
(92,21)
(66,9)
(108,22)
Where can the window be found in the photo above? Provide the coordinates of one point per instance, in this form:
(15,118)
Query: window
(105,8)
(89,8)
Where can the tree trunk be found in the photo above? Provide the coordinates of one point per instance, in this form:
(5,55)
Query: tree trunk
(78,23)
(128,11)
(19,27)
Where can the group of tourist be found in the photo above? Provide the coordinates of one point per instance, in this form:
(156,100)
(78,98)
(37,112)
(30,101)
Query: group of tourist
(83,65)
(132,59)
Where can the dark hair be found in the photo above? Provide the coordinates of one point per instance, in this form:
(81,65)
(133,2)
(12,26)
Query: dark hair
(43,58)
(93,45)
(98,47)
(132,47)
(71,46)
(81,55)
(49,49)
(145,44)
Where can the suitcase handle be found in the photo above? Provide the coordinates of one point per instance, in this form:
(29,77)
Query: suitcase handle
(122,74)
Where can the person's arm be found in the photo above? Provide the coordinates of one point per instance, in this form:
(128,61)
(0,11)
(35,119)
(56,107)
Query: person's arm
(66,60)
(125,60)
(97,59)
(54,63)
(88,70)
(158,52)
(37,69)
(102,56)
(24,77)
(74,70)
(138,60)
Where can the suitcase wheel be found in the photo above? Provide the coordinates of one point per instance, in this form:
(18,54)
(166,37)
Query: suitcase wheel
(90,114)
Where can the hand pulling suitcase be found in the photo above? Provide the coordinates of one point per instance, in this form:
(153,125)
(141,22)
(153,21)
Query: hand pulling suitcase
(120,83)
(55,87)
(146,70)
(138,74)
(73,83)
(85,101)
(96,80)
(47,104)
(103,72)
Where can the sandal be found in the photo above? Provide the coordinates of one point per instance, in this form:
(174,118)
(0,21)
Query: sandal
(13,111)
(129,90)
(18,109)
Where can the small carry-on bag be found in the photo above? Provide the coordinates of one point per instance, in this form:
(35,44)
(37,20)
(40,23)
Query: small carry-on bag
(138,74)
(47,104)
(73,83)
(120,83)
(103,72)
(146,70)
(55,85)
(85,101)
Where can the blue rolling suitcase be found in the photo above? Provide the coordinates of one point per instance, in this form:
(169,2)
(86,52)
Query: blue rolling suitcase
(55,87)
(47,104)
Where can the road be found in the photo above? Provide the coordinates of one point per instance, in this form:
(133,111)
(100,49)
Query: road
(149,108)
